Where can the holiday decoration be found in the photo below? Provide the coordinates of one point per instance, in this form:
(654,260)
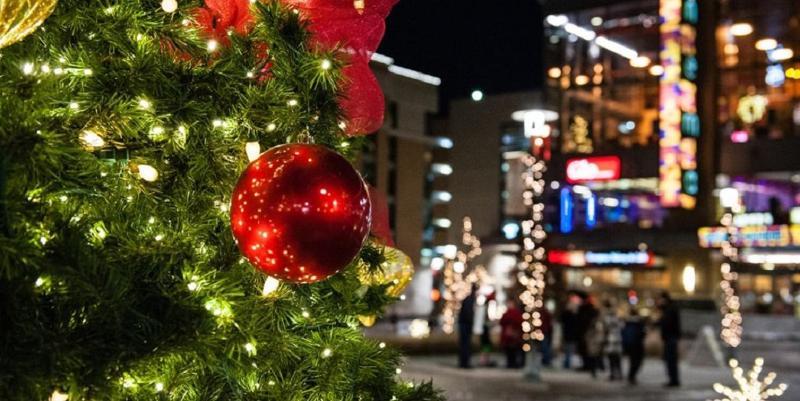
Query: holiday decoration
(381,228)
(397,270)
(19,18)
(220,17)
(751,387)
(367,320)
(300,212)
(359,27)
(121,138)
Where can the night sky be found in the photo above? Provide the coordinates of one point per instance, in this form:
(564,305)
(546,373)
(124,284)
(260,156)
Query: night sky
(493,45)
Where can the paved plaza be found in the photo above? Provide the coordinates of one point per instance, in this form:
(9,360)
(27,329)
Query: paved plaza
(500,384)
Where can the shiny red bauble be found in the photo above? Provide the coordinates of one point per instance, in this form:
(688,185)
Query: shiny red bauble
(300,212)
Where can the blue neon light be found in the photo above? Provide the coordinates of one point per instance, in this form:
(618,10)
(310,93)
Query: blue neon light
(567,206)
(591,211)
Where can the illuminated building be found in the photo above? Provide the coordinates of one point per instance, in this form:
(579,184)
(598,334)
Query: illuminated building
(407,161)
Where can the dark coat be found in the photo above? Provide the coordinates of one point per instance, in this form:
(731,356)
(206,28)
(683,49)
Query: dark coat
(670,322)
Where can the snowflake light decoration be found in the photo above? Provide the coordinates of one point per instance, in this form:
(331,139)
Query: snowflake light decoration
(751,387)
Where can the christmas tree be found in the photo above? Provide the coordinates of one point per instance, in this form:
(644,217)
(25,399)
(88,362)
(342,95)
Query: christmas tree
(125,127)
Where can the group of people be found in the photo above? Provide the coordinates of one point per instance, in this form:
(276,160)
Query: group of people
(600,336)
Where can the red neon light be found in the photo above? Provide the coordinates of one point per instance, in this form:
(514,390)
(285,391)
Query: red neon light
(604,168)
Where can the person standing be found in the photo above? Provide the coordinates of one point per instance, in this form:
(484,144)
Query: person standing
(633,336)
(670,324)
(547,340)
(569,329)
(466,319)
(612,326)
(511,335)
(587,317)
(594,345)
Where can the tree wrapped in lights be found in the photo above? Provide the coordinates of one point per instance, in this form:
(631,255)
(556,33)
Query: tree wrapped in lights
(458,275)
(532,274)
(125,126)
(750,386)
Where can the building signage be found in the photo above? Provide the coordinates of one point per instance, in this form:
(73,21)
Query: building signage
(777,236)
(603,168)
(679,123)
(609,258)
(753,219)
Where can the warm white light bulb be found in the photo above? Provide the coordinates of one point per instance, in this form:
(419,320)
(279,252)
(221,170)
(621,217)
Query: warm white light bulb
(327,352)
(657,70)
(92,139)
(326,64)
(148,172)
(766,44)
(28,68)
(212,45)
(741,29)
(58,396)
(640,62)
(253,150)
(270,286)
(169,6)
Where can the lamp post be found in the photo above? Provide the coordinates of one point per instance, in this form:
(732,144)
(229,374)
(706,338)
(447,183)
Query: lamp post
(533,270)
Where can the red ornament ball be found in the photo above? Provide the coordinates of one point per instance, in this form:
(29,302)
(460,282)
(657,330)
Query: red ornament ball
(300,212)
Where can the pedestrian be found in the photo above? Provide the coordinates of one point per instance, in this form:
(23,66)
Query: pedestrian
(570,336)
(483,323)
(587,316)
(670,324)
(511,335)
(612,327)
(633,336)
(594,338)
(466,319)
(547,337)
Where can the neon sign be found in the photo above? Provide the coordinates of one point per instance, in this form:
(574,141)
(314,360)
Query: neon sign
(567,205)
(605,168)
(678,119)
(751,236)
(609,258)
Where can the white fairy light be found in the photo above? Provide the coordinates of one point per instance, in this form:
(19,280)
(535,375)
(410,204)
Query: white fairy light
(325,64)
(750,386)
(212,45)
(217,123)
(253,150)
(159,387)
(271,127)
(250,74)
(193,286)
(382,345)
(92,139)
(145,104)
(169,6)
(88,72)
(250,348)
(58,396)
(148,172)
(74,105)
(292,103)
(28,68)
(159,237)
(327,352)
(270,286)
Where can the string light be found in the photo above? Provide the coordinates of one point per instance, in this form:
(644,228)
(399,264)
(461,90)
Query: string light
(325,65)
(148,172)
(159,387)
(750,386)
(270,286)
(91,139)
(212,45)
(457,280)
(327,352)
(250,348)
(145,104)
(169,6)
(532,268)
(58,396)
(731,333)
(28,68)
(253,150)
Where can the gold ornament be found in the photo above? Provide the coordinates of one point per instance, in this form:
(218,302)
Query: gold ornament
(19,18)
(367,320)
(397,270)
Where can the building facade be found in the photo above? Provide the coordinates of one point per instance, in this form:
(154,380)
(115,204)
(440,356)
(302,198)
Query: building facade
(408,163)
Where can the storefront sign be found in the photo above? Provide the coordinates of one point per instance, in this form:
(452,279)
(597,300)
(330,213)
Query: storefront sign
(679,122)
(750,237)
(604,168)
(753,219)
(610,258)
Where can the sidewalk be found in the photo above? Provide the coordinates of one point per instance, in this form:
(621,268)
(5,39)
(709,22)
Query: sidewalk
(499,384)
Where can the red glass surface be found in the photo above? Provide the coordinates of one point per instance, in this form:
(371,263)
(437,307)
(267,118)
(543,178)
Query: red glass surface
(300,212)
